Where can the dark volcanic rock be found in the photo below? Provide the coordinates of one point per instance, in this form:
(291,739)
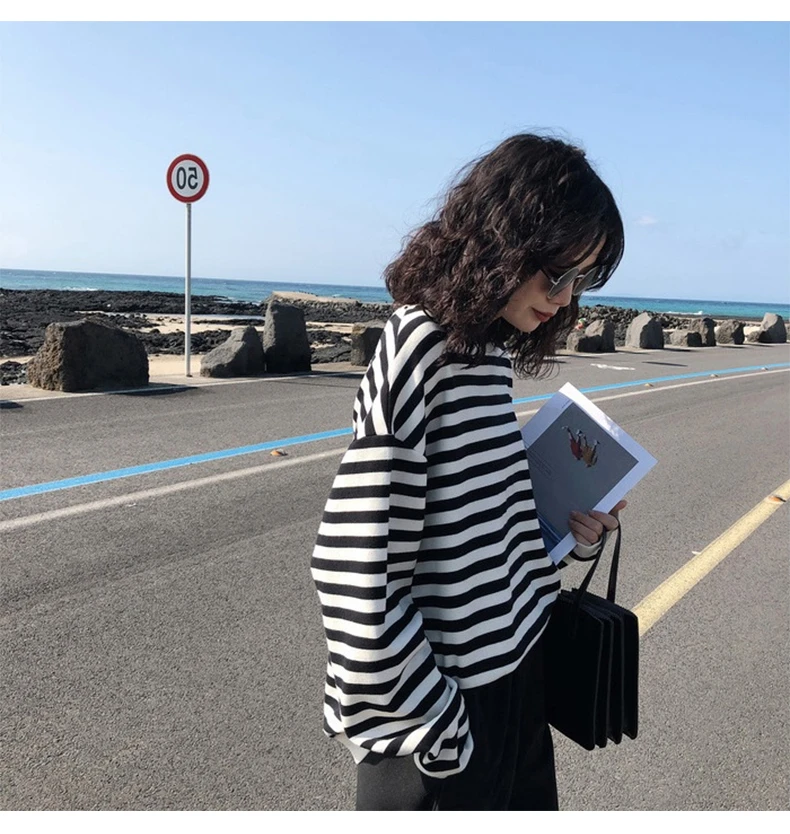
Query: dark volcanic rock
(328,346)
(729,333)
(340,311)
(604,329)
(686,338)
(240,355)
(285,343)
(580,342)
(165,343)
(365,337)
(332,353)
(25,314)
(13,373)
(44,302)
(645,332)
(772,329)
(706,327)
(88,354)
(621,318)
(240,322)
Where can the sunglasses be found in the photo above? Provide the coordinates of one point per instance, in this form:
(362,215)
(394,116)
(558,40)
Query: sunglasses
(572,276)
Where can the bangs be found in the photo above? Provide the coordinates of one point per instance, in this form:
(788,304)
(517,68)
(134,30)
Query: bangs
(608,229)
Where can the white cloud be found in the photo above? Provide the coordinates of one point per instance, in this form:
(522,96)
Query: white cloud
(646,220)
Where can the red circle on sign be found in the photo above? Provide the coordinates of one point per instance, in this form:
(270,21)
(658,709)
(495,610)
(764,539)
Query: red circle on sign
(187,157)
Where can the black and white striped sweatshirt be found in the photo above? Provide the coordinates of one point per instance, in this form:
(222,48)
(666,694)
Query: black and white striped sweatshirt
(429,563)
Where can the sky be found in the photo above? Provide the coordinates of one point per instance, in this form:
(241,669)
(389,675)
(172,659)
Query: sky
(328,142)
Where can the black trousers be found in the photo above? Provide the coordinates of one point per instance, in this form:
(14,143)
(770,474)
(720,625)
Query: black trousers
(510,769)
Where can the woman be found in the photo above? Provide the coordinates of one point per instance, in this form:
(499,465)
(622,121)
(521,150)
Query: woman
(434,582)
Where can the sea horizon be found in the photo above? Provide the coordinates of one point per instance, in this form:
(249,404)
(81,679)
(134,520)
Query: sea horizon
(256,291)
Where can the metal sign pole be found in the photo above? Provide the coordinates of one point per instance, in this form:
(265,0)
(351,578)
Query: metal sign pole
(188,289)
(187,180)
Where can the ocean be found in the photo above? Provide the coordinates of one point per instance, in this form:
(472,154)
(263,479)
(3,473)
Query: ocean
(257,291)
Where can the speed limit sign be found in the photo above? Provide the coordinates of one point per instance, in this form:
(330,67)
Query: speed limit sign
(187,178)
(187,181)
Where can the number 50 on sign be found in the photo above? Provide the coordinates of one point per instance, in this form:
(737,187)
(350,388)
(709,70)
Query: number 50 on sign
(187,178)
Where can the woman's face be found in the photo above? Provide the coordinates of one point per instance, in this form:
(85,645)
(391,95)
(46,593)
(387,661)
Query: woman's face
(530,306)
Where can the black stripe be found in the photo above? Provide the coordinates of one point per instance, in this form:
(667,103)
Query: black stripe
(357,592)
(433,695)
(373,516)
(453,709)
(496,401)
(487,515)
(347,566)
(375,592)
(408,371)
(459,380)
(359,541)
(489,467)
(359,407)
(463,500)
(490,613)
(367,645)
(474,546)
(414,402)
(384,394)
(487,445)
(403,690)
(379,465)
(367,491)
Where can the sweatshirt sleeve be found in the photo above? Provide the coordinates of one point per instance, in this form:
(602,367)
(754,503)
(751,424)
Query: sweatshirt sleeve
(384,692)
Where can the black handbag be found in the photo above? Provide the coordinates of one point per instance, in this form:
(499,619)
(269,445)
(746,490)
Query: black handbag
(591,650)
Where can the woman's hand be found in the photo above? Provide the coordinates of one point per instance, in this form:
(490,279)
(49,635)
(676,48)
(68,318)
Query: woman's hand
(587,528)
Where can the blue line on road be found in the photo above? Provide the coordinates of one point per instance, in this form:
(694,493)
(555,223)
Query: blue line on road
(696,374)
(161,466)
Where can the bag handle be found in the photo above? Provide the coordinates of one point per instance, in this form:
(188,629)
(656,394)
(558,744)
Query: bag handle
(612,586)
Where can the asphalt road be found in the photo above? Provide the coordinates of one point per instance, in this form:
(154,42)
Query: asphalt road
(161,639)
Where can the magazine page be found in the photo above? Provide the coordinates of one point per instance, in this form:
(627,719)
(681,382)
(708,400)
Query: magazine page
(579,459)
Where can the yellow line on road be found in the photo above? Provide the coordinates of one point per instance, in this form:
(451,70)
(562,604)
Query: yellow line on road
(656,604)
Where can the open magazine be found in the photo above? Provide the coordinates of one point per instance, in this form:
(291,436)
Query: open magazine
(579,459)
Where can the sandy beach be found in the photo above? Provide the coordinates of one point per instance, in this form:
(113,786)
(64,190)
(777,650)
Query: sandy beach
(308,296)
(175,324)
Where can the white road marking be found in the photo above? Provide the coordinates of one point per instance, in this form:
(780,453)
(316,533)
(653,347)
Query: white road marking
(612,367)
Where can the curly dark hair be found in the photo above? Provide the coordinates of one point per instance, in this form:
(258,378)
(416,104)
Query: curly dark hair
(533,204)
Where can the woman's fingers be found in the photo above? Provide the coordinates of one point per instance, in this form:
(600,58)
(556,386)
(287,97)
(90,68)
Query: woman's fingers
(585,528)
(608,521)
(588,528)
(620,505)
